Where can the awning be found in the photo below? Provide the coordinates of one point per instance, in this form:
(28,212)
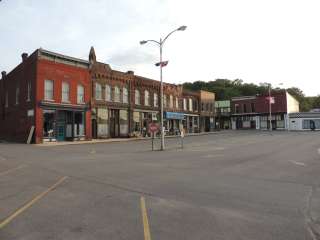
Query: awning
(174,115)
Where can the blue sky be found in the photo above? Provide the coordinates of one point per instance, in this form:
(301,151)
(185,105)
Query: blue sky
(276,41)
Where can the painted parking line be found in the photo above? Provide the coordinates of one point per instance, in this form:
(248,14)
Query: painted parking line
(6,221)
(146,228)
(12,170)
(298,163)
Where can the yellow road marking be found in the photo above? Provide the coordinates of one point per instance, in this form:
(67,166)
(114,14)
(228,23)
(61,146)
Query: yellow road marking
(146,229)
(11,170)
(29,204)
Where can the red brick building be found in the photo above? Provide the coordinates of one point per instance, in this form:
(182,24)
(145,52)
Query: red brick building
(67,99)
(252,112)
(50,92)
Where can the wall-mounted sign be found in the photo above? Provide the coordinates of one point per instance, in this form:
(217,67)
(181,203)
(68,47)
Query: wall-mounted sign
(30,113)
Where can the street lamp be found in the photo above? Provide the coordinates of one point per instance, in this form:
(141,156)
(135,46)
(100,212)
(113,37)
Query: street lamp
(161,64)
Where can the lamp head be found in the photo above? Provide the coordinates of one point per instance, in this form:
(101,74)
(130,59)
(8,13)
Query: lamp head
(143,42)
(182,28)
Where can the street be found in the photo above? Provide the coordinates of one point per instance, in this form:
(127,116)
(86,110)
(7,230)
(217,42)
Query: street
(226,185)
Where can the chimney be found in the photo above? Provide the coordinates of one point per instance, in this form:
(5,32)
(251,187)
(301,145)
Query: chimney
(24,56)
(130,72)
(4,74)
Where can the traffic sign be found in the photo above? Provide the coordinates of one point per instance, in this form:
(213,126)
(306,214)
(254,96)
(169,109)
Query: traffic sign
(153,127)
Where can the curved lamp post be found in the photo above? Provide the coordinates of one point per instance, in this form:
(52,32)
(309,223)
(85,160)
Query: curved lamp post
(160,44)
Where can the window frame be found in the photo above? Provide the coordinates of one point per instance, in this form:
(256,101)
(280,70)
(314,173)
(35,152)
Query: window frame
(46,97)
(83,94)
(96,91)
(65,83)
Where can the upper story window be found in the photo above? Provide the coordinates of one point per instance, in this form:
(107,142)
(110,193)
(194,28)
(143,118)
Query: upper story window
(7,100)
(29,91)
(164,100)
(171,101)
(190,104)
(48,90)
(98,91)
(202,106)
(253,109)
(65,92)
(185,104)
(80,94)
(108,93)
(116,94)
(236,108)
(125,96)
(17,95)
(195,105)
(177,103)
(146,98)
(244,108)
(155,100)
(207,107)
(137,97)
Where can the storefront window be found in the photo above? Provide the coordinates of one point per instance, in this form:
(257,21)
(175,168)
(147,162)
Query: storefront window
(79,124)
(103,122)
(48,123)
(136,120)
(124,122)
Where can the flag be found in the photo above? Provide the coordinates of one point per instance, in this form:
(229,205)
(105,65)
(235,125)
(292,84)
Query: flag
(271,99)
(163,63)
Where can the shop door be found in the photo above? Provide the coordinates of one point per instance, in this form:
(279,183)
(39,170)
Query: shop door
(114,123)
(61,126)
(94,128)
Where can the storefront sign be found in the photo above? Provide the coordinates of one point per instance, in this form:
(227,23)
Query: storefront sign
(174,115)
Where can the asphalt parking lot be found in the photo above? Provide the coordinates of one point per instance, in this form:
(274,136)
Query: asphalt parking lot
(227,185)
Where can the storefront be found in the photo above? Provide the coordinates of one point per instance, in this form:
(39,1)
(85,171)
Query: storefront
(191,123)
(277,121)
(173,122)
(141,120)
(304,121)
(63,125)
(245,122)
(110,123)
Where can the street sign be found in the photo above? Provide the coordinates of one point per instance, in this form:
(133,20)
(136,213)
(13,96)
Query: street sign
(153,127)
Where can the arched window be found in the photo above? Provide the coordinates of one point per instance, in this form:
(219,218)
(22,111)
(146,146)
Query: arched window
(146,98)
(177,103)
(108,93)
(137,97)
(125,98)
(155,100)
(185,104)
(116,94)
(80,94)
(98,91)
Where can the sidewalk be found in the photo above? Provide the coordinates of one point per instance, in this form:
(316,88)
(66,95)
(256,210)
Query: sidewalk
(112,140)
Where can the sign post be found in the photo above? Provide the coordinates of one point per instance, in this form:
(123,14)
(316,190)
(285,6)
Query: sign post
(153,128)
(182,136)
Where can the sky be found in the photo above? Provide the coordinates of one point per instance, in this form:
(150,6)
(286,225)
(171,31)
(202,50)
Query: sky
(275,41)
